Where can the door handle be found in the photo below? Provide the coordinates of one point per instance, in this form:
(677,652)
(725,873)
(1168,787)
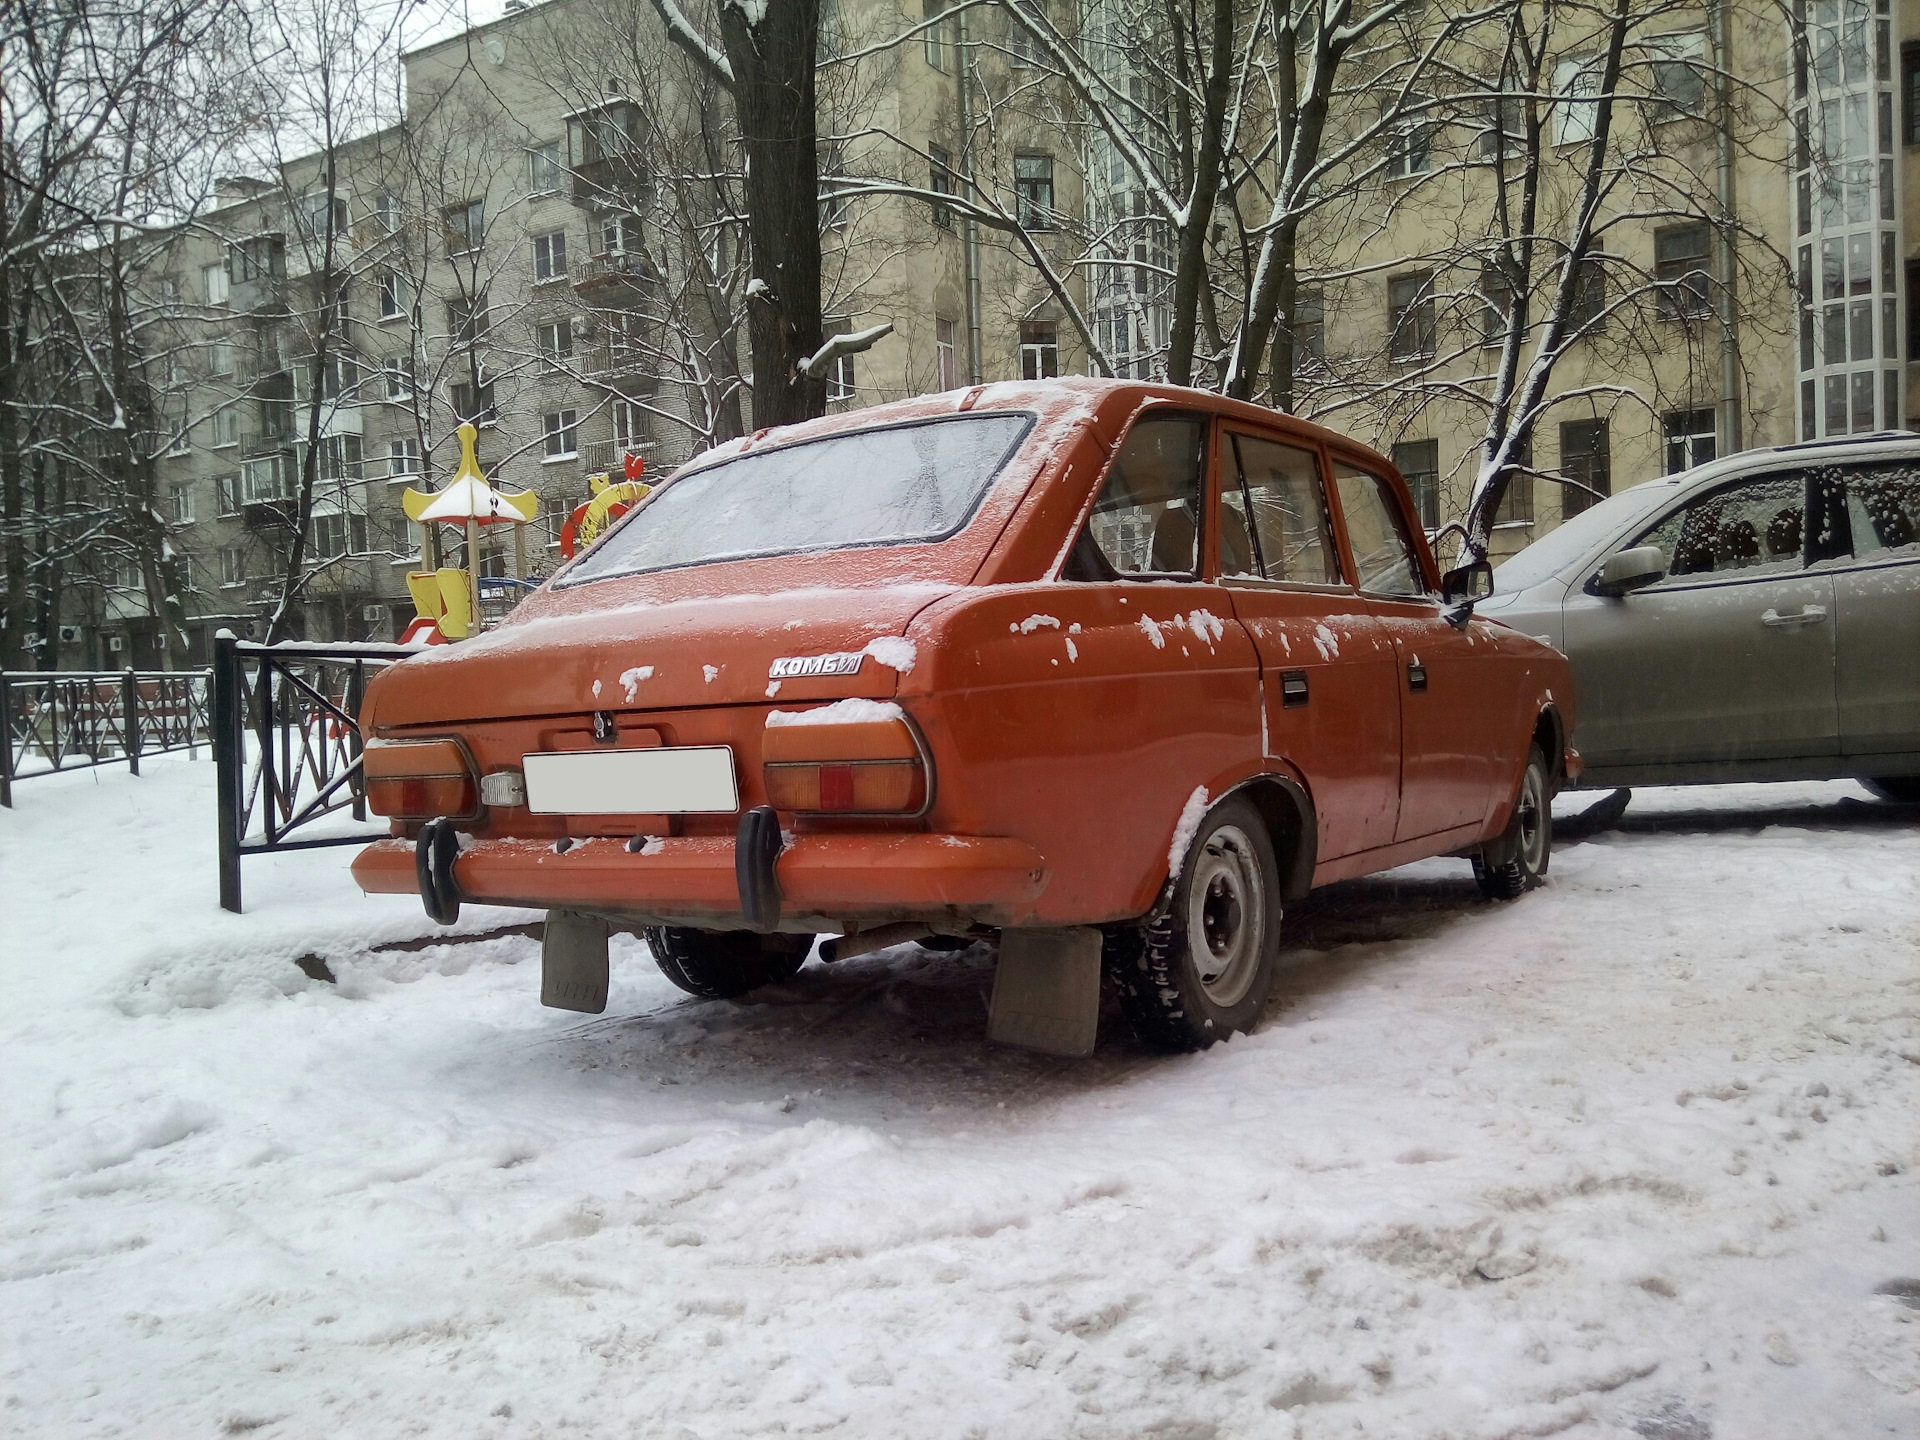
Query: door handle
(1808,615)
(1416,677)
(1293,688)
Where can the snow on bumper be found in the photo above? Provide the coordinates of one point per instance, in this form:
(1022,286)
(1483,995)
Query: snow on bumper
(991,879)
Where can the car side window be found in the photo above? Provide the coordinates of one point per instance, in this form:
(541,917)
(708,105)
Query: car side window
(1883,504)
(1381,550)
(1146,520)
(1273,514)
(1758,525)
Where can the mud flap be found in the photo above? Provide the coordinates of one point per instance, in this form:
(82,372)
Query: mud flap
(1046,991)
(573,962)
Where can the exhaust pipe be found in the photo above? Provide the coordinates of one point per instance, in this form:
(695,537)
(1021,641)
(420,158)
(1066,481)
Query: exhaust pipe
(865,942)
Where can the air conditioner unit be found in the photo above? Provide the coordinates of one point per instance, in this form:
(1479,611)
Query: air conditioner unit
(373,612)
(116,643)
(69,634)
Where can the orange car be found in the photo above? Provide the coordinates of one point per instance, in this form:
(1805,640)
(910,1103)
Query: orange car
(1106,671)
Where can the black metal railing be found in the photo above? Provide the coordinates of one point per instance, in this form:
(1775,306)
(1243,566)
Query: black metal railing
(286,746)
(54,720)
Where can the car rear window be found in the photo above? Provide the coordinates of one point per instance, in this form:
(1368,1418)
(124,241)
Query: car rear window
(892,485)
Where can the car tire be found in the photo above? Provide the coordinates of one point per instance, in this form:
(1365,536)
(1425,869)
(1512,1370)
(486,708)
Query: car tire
(1897,789)
(1203,969)
(1512,865)
(723,964)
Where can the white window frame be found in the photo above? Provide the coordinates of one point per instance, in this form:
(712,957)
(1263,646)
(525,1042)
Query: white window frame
(550,256)
(219,284)
(561,432)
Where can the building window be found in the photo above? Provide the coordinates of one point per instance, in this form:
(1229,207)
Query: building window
(397,376)
(1419,462)
(619,233)
(1033,190)
(465,226)
(220,359)
(233,565)
(226,494)
(1506,129)
(1680,265)
(339,458)
(396,295)
(1585,459)
(1496,305)
(543,168)
(938,41)
(1679,80)
(178,442)
(217,283)
(940,163)
(554,341)
(181,500)
(226,427)
(386,213)
(1690,439)
(1576,113)
(403,459)
(1309,330)
(1039,349)
(1910,93)
(467,319)
(550,256)
(314,212)
(1516,506)
(1589,294)
(1409,135)
(946,375)
(1022,52)
(562,434)
(339,377)
(475,404)
(1410,313)
(633,424)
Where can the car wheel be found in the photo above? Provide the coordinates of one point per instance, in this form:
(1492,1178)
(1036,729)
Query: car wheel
(1203,969)
(720,964)
(1512,865)
(1900,789)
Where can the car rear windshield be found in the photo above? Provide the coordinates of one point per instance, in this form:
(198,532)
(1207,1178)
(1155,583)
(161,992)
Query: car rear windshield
(1562,547)
(893,485)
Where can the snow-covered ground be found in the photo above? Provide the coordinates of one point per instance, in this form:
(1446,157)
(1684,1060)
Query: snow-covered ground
(1631,1157)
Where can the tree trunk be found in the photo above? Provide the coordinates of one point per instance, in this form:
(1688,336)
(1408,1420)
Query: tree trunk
(1190,276)
(773,93)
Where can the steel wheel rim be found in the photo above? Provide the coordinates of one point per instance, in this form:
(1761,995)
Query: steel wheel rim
(1533,821)
(1226,916)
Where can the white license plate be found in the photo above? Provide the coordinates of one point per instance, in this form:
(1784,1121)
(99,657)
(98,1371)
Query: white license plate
(672,780)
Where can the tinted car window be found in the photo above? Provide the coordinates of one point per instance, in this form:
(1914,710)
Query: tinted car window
(1883,506)
(889,486)
(1758,525)
(1381,549)
(1146,521)
(1273,514)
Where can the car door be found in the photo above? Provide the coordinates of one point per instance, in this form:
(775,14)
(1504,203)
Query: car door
(1326,668)
(1446,756)
(1728,659)
(1876,594)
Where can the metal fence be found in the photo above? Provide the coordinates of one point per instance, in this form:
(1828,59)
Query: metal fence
(53,720)
(286,744)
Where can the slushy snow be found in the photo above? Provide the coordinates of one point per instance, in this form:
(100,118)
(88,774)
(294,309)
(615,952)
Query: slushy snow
(840,712)
(1632,1158)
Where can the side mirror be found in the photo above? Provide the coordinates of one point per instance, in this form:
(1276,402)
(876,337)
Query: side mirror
(1467,584)
(1630,570)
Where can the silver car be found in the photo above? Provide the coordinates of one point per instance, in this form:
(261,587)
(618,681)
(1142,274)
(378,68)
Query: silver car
(1756,618)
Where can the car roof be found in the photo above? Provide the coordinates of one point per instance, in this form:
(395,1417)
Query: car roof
(1066,397)
(1883,445)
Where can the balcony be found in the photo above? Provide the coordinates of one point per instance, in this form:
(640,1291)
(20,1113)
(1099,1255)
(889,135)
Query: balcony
(627,269)
(609,456)
(261,443)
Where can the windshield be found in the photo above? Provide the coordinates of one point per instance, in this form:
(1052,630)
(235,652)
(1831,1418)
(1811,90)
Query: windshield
(888,486)
(1560,548)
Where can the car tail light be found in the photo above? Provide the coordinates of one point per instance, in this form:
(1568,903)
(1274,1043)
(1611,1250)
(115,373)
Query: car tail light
(420,779)
(862,767)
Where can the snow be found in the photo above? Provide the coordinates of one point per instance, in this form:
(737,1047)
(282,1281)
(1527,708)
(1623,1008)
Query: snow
(840,712)
(1033,623)
(1326,642)
(1207,626)
(630,680)
(1668,1097)
(1191,814)
(710,673)
(893,651)
(1152,631)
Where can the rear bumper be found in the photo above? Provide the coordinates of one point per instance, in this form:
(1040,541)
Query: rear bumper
(948,879)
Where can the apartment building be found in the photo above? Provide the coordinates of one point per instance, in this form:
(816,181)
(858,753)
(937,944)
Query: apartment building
(526,251)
